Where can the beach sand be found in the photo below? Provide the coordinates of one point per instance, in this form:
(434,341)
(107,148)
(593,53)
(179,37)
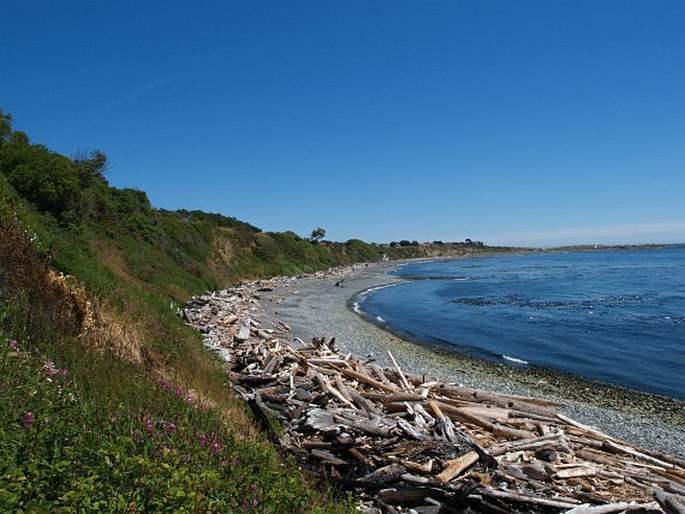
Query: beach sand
(314,306)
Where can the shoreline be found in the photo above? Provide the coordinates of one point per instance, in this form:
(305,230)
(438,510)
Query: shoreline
(314,307)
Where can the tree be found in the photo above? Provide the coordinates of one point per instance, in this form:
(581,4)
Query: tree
(5,127)
(317,235)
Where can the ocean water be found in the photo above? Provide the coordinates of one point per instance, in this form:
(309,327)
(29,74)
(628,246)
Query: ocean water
(616,316)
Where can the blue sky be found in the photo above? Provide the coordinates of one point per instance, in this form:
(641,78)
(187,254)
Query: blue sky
(519,122)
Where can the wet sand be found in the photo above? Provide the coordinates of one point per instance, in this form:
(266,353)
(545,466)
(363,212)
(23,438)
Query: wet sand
(316,307)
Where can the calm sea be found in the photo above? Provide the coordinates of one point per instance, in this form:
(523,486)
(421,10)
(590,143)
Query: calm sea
(616,316)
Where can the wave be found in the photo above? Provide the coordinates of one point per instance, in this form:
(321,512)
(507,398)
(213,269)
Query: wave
(514,359)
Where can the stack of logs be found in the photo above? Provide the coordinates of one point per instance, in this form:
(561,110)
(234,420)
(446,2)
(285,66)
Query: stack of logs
(405,443)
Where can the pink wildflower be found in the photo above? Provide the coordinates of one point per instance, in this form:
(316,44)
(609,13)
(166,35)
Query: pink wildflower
(49,368)
(149,428)
(178,392)
(28,419)
(14,345)
(190,398)
(63,372)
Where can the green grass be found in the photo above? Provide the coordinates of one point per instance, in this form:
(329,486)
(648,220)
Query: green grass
(61,451)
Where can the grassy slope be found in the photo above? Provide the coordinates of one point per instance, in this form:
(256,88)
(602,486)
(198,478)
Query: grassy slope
(111,322)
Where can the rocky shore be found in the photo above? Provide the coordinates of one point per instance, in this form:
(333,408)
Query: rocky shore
(413,429)
(313,307)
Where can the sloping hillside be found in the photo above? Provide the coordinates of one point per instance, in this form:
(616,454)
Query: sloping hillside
(107,400)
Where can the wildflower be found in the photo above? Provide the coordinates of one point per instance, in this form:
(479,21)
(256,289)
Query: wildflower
(149,428)
(166,385)
(178,392)
(14,345)
(28,419)
(63,372)
(169,427)
(49,368)
(190,398)
(255,495)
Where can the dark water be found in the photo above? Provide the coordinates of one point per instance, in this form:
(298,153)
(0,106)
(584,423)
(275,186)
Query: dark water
(615,316)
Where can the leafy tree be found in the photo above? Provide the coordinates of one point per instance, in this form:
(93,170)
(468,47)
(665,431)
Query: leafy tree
(48,179)
(91,166)
(5,127)
(317,234)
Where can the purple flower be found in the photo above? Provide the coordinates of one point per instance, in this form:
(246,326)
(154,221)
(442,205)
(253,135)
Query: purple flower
(14,345)
(178,392)
(49,368)
(63,372)
(28,419)
(169,427)
(166,385)
(190,398)
(149,428)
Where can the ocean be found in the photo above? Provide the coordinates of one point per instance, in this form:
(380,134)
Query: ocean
(616,316)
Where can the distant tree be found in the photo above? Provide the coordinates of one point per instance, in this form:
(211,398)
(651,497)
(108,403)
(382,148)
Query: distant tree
(92,165)
(405,242)
(415,243)
(393,244)
(440,243)
(468,241)
(317,235)
(5,127)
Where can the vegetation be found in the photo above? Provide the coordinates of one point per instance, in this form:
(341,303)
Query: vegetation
(108,401)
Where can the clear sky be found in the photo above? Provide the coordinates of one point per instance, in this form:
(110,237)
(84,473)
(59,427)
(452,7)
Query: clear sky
(529,122)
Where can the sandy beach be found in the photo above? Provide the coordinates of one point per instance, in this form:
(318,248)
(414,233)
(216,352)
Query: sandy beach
(315,306)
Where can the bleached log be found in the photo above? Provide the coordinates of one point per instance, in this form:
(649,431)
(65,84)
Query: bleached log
(555,440)
(363,425)
(612,508)
(499,400)
(403,379)
(376,370)
(243,333)
(342,387)
(366,380)
(444,425)
(455,467)
(585,470)
(362,402)
(667,502)
(326,386)
(494,428)
(328,458)
(611,445)
(411,431)
(384,475)
(527,500)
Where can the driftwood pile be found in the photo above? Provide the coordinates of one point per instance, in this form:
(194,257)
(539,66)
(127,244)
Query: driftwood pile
(405,443)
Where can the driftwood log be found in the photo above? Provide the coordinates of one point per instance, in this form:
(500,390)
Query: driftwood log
(403,442)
